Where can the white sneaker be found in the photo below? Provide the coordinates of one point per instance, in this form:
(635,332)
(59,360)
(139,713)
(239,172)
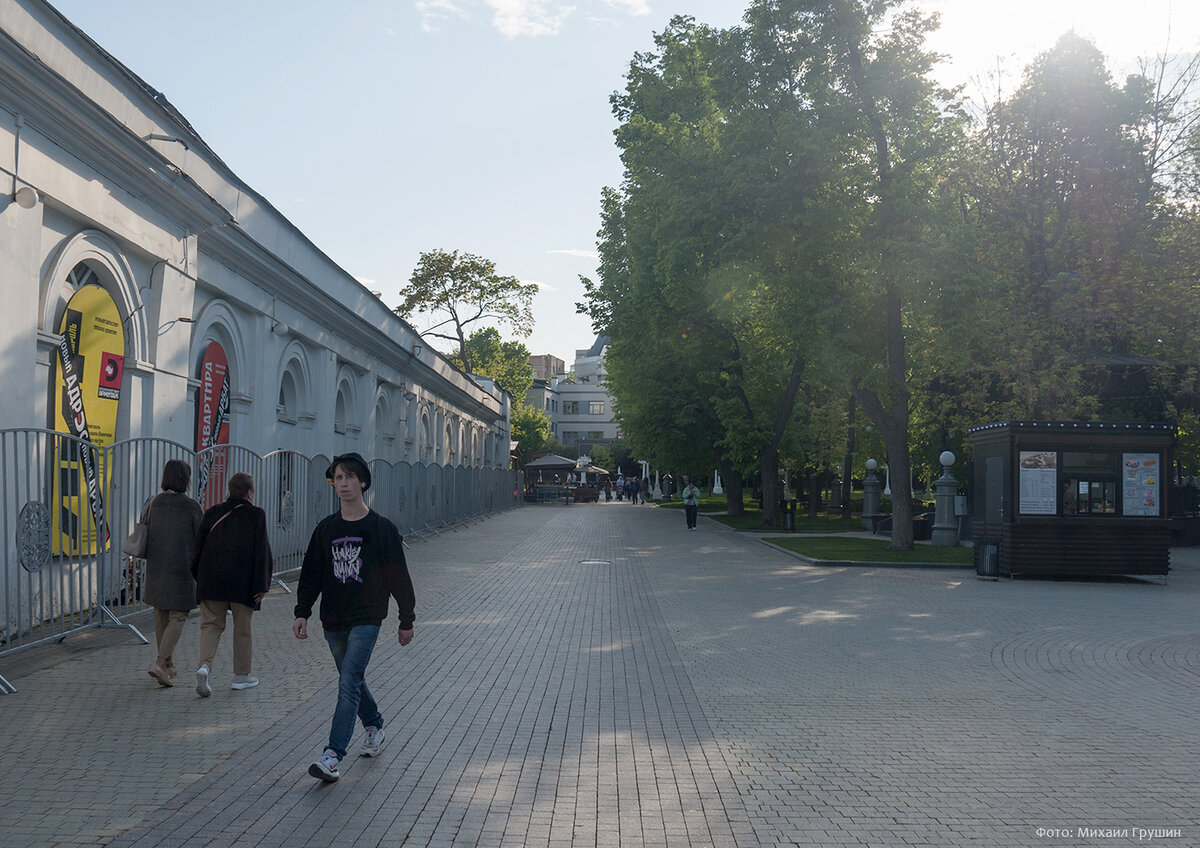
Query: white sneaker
(326,768)
(202,687)
(372,742)
(244,681)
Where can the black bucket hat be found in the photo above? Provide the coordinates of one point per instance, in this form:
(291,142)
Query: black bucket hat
(363,472)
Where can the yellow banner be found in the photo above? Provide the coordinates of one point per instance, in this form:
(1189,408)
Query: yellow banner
(91,361)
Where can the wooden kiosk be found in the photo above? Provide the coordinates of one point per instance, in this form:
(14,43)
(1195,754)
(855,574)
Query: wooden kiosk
(1071,500)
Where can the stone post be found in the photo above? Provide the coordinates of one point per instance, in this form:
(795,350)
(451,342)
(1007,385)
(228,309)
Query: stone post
(945,526)
(870,495)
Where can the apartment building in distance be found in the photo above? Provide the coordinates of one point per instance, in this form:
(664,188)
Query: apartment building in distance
(547,367)
(578,404)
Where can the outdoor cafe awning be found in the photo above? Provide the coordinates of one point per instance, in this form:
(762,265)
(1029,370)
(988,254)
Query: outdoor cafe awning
(551,462)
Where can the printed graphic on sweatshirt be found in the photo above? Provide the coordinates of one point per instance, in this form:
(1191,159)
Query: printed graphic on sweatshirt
(347,559)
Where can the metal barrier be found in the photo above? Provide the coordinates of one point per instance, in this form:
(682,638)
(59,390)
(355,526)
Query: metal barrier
(66,506)
(49,589)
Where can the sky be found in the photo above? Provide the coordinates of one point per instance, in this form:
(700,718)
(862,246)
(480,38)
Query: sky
(386,128)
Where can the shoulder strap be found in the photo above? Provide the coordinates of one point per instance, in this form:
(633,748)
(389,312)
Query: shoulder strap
(145,519)
(223,517)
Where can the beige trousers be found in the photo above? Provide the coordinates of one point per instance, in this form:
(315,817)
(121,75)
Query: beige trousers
(168,627)
(212,625)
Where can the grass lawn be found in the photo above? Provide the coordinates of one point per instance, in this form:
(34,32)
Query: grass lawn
(869,550)
(752,520)
(708,503)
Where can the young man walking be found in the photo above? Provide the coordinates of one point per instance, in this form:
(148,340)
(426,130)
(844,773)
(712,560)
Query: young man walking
(355,561)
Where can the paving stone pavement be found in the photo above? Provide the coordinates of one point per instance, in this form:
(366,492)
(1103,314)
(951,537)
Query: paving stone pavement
(595,675)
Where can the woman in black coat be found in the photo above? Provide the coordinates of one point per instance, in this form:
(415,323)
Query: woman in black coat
(172,519)
(232,567)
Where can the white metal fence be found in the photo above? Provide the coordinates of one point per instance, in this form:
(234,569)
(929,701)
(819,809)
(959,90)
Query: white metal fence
(66,506)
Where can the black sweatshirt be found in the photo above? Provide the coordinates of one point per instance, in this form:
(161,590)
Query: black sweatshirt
(354,566)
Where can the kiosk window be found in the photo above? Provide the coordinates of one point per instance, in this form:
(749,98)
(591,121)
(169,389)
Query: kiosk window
(1090,483)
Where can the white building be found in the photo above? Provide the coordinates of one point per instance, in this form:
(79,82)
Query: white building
(585,409)
(107,184)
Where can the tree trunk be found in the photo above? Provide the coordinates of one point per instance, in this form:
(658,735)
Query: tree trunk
(732,483)
(734,487)
(768,463)
(847,484)
(893,424)
(900,477)
(814,494)
(893,421)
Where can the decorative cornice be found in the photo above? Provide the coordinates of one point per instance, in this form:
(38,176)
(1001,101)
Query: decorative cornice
(62,113)
(236,249)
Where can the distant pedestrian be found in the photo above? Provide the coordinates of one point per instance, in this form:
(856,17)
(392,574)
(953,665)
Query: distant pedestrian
(691,504)
(355,560)
(633,490)
(608,487)
(232,567)
(172,519)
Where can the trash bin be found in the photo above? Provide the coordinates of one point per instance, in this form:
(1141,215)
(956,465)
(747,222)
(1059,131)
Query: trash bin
(788,510)
(987,560)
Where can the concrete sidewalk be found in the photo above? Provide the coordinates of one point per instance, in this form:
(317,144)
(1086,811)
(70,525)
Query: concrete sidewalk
(597,675)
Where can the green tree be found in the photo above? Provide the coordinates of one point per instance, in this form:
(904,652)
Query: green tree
(505,362)
(603,457)
(875,82)
(716,251)
(462,289)
(530,428)
(1072,199)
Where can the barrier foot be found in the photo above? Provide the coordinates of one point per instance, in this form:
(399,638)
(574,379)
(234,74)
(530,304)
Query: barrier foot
(433,529)
(282,585)
(104,609)
(6,688)
(412,531)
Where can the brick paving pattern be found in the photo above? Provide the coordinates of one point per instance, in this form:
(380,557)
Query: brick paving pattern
(595,675)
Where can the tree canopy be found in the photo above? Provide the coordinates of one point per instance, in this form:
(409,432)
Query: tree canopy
(463,289)
(805,214)
(505,362)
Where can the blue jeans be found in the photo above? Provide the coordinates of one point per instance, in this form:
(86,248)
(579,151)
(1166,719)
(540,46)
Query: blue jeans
(351,651)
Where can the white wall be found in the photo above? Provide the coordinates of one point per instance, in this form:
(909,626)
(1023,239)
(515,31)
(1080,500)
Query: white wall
(172,234)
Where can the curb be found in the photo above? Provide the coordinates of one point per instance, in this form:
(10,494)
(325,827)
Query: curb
(838,563)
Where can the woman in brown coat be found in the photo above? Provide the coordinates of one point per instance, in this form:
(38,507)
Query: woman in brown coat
(172,519)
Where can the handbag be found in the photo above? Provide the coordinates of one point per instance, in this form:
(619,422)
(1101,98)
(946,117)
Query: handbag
(135,542)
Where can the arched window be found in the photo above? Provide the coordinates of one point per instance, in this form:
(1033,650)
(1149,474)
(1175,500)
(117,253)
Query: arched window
(348,411)
(294,404)
(91,257)
(426,446)
(339,412)
(288,407)
(384,434)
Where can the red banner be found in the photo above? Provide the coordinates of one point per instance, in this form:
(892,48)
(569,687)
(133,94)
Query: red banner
(212,426)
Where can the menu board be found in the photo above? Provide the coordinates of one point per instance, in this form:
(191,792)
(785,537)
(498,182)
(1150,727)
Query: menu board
(1140,476)
(1039,483)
